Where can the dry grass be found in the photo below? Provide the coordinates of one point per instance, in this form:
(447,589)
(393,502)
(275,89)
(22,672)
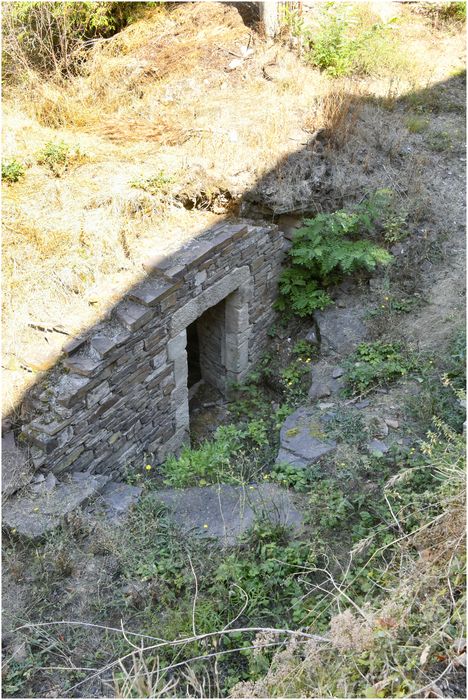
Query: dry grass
(156,97)
(410,639)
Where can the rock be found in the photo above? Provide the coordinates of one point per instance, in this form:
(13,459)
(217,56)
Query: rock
(319,391)
(302,441)
(16,468)
(34,514)
(46,484)
(312,338)
(337,372)
(377,446)
(341,330)
(19,651)
(325,406)
(117,498)
(323,382)
(362,404)
(376,425)
(225,512)
(392,423)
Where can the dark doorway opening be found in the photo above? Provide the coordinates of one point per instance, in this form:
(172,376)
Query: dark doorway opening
(193,355)
(206,376)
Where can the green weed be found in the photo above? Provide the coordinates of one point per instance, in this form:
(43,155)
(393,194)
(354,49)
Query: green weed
(439,141)
(156,185)
(347,43)
(228,458)
(347,425)
(298,478)
(58,156)
(376,364)
(441,388)
(416,124)
(12,171)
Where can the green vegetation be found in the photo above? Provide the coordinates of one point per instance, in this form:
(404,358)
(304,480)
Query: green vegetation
(328,247)
(445,11)
(381,607)
(439,141)
(343,46)
(12,171)
(349,40)
(392,305)
(376,364)
(416,124)
(347,425)
(442,388)
(233,456)
(58,156)
(386,642)
(155,185)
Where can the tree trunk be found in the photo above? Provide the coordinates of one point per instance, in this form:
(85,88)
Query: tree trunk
(269,17)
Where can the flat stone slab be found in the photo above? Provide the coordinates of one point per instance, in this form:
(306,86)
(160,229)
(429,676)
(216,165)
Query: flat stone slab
(302,439)
(116,499)
(226,512)
(34,513)
(16,467)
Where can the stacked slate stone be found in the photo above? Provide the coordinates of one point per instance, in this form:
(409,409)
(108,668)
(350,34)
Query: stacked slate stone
(120,392)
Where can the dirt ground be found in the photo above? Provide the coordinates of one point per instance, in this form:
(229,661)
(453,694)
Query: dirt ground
(196,125)
(262,163)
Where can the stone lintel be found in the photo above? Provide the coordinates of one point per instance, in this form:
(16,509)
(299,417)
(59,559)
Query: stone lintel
(105,344)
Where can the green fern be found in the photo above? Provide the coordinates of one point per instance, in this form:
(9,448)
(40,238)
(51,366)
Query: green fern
(326,248)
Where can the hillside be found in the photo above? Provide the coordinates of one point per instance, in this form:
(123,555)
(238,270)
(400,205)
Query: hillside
(310,541)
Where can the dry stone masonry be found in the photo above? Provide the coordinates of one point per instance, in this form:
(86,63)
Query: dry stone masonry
(121,393)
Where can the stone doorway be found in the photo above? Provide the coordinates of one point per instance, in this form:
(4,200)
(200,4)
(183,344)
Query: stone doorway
(206,349)
(210,342)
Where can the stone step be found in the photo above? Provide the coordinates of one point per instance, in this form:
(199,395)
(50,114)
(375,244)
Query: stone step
(16,466)
(41,507)
(226,512)
(115,501)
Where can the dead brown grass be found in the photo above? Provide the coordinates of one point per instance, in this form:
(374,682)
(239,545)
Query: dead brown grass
(336,111)
(158,96)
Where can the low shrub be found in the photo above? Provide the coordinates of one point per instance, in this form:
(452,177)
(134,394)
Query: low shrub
(351,41)
(325,249)
(12,171)
(416,124)
(376,364)
(58,156)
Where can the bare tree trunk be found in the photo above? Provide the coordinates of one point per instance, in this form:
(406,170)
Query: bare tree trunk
(269,16)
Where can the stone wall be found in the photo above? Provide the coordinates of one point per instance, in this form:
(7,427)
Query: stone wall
(119,395)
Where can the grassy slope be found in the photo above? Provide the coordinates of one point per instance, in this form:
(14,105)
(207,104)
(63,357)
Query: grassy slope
(406,635)
(158,98)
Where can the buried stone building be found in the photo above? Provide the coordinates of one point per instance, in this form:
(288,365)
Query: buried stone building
(120,394)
